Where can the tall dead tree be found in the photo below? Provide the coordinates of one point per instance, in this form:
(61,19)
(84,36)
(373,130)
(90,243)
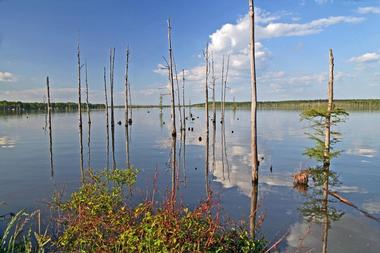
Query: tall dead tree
(222,92)
(206,55)
(183,102)
(213,89)
(214,112)
(89,121)
(126,90)
(330,108)
(225,85)
(112,70)
(87,103)
(49,126)
(80,112)
(172,92)
(130,103)
(254,153)
(126,110)
(184,125)
(327,148)
(107,118)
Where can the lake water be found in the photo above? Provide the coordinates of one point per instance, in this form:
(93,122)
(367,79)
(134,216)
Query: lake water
(26,178)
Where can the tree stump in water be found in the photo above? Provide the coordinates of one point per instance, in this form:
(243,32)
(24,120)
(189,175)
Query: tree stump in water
(301,178)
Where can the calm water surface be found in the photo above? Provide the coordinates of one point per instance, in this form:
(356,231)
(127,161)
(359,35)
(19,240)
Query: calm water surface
(26,177)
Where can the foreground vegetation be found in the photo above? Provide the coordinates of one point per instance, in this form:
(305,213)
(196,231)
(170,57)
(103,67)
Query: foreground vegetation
(97,218)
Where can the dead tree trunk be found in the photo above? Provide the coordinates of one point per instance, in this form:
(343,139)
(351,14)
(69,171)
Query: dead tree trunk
(213,90)
(225,85)
(112,68)
(87,103)
(130,104)
(214,113)
(184,125)
(254,153)
(222,92)
(255,168)
(126,90)
(50,130)
(89,121)
(330,108)
(326,153)
(80,113)
(178,98)
(107,118)
(174,131)
(207,120)
(126,111)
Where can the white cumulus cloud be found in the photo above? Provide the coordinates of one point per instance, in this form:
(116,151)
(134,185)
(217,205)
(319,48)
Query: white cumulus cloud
(366,58)
(6,77)
(368,10)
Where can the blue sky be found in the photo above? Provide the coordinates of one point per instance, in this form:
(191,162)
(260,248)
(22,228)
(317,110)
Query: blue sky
(39,37)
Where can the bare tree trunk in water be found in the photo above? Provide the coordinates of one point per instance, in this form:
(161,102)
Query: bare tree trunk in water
(178,98)
(89,122)
(183,102)
(87,103)
(253,211)
(80,114)
(222,91)
(126,90)
(330,108)
(112,68)
(174,131)
(107,120)
(126,112)
(222,117)
(326,154)
(184,125)
(50,130)
(207,121)
(130,103)
(214,113)
(225,86)
(224,113)
(254,155)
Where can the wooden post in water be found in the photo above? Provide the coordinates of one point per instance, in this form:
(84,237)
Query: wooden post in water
(112,69)
(50,130)
(206,55)
(107,118)
(174,131)
(80,113)
(254,153)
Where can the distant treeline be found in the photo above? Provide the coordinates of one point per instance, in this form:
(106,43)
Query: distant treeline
(346,104)
(10,106)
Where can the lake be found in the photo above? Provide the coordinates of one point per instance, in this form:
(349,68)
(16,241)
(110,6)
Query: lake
(27,180)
